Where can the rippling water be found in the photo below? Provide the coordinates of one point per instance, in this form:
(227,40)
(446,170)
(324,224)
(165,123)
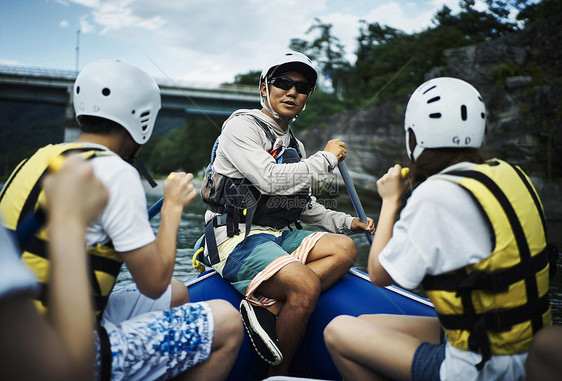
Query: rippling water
(191,228)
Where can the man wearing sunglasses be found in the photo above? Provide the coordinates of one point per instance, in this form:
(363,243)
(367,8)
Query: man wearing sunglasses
(257,184)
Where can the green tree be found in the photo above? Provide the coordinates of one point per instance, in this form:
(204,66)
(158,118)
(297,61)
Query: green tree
(390,62)
(250,78)
(326,50)
(477,25)
(186,148)
(539,11)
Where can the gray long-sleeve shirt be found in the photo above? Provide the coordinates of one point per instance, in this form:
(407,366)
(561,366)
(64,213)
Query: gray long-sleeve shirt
(243,152)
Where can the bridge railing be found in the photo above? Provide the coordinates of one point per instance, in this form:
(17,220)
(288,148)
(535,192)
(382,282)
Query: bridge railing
(34,71)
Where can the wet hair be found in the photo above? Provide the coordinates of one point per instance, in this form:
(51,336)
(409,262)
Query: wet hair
(434,160)
(97,125)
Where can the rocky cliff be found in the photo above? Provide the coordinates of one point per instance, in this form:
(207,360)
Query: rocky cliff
(520,79)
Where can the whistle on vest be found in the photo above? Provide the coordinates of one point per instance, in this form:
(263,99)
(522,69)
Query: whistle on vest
(278,149)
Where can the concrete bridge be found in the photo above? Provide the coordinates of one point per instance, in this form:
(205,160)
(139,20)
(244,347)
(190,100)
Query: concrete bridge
(49,86)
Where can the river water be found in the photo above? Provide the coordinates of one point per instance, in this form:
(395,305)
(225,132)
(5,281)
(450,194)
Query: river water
(191,228)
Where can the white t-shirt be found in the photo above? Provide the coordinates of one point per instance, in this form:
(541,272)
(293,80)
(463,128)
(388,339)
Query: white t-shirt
(442,229)
(15,277)
(124,219)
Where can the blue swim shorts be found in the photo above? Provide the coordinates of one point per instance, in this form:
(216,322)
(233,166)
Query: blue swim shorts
(246,263)
(427,360)
(155,342)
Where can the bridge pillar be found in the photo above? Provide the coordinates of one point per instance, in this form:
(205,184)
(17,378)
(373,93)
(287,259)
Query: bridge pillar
(71,129)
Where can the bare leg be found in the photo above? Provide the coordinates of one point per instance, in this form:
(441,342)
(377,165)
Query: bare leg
(298,288)
(332,257)
(227,338)
(374,346)
(180,294)
(544,362)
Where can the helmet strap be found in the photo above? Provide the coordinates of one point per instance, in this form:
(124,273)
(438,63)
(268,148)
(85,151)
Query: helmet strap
(413,149)
(272,112)
(416,152)
(144,172)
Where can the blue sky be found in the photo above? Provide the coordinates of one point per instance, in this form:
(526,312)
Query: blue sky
(188,41)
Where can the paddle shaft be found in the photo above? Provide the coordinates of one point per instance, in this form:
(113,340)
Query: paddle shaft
(155,209)
(354,197)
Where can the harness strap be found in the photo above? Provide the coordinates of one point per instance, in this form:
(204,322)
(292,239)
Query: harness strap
(495,321)
(211,243)
(12,177)
(105,349)
(552,250)
(499,320)
(143,171)
(264,127)
(493,282)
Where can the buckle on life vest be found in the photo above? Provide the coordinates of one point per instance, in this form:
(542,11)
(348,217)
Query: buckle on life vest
(491,282)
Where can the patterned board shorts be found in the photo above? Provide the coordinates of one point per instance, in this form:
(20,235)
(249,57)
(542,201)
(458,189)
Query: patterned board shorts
(246,263)
(156,342)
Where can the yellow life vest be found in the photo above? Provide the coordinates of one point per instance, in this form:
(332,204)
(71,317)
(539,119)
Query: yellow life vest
(494,307)
(21,197)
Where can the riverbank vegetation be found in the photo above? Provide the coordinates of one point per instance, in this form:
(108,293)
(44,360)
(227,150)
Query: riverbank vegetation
(389,63)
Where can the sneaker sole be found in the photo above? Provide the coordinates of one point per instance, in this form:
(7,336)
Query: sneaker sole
(255,328)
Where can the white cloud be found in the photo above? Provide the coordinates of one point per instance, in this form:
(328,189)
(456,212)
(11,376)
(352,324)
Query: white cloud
(86,3)
(86,26)
(64,24)
(9,62)
(213,40)
(392,14)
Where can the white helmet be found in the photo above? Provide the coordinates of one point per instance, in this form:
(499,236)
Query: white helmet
(119,92)
(445,112)
(288,61)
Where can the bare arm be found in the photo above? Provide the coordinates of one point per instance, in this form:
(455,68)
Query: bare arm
(74,198)
(60,347)
(152,265)
(391,187)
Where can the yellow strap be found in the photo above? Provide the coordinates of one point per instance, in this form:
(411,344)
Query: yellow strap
(56,163)
(196,264)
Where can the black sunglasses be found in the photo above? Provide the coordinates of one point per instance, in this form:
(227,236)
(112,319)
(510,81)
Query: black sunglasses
(284,83)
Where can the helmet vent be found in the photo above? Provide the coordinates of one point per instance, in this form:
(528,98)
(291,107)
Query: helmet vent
(463,113)
(431,88)
(483,115)
(77,89)
(106,91)
(144,119)
(435,99)
(435,115)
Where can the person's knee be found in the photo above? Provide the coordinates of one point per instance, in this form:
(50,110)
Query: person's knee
(180,293)
(343,248)
(349,249)
(335,329)
(547,342)
(228,322)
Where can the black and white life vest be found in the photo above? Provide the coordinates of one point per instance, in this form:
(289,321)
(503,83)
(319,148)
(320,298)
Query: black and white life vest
(239,201)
